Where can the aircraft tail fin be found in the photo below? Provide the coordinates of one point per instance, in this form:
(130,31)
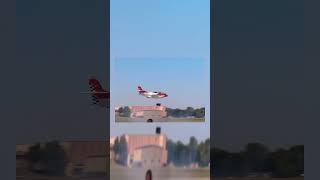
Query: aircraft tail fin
(99,95)
(95,85)
(140,90)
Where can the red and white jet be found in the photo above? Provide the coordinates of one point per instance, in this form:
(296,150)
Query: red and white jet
(150,94)
(99,96)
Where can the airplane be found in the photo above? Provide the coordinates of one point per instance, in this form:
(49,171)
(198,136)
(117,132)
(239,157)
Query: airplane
(99,96)
(150,94)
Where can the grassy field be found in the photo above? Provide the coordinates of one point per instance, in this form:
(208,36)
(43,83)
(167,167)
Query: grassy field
(60,178)
(168,173)
(123,173)
(299,178)
(155,178)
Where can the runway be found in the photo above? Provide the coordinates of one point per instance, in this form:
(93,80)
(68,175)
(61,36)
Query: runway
(169,119)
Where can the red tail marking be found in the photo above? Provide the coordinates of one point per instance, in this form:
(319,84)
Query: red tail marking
(96,87)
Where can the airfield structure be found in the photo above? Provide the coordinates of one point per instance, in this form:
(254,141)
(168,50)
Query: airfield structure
(146,150)
(148,112)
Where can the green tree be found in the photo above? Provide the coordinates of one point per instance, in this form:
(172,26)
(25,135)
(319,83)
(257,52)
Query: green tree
(116,146)
(298,157)
(189,111)
(180,153)
(54,158)
(126,111)
(204,152)
(256,155)
(171,147)
(120,110)
(193,146)
(288,163)
(123,150)
(35,153)
(199,113)
(219,162)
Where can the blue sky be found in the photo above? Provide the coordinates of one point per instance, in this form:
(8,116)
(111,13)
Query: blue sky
(184,80)
(162,31)
(166,28)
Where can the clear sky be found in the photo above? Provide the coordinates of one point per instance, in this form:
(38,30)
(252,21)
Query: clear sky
(165,30)
(184,80)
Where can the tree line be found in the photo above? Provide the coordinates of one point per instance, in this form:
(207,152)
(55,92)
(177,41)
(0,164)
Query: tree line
(120,150)
(48,159)
(124,111)
(180,154)
(258,159)
(188,112)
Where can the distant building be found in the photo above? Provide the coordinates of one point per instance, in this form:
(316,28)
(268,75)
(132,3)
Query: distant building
(82,156)
(149,156)
(147,150)
(148,112)
(81,153)
(85,157)
(22,163)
